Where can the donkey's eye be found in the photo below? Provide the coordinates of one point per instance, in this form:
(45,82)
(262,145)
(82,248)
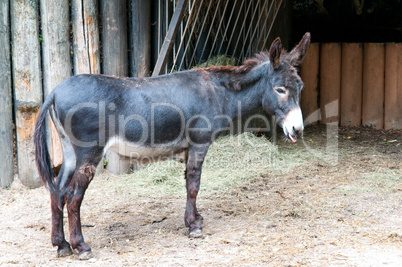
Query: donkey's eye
(280,90)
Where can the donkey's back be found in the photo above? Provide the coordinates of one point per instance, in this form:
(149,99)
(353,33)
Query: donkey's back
(129,92)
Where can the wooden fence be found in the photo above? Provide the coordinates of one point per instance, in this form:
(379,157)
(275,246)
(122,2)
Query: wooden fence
(353,84)
(44,42)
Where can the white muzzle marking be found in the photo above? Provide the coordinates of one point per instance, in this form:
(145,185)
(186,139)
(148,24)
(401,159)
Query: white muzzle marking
(293,124)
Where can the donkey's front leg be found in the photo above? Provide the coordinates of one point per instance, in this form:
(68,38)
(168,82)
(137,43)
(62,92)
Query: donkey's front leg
(78,185)
(192,218)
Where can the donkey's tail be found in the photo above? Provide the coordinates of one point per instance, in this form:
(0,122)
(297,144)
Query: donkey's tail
(42,157)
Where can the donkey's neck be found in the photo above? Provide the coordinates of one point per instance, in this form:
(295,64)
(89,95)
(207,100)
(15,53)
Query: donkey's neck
(243,102)
(248,98)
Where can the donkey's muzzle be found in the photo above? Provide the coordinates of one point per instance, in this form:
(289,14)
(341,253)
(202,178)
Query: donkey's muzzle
(293,124)
(293,135)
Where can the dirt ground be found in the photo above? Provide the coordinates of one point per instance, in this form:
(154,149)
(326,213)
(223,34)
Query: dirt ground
(339,209)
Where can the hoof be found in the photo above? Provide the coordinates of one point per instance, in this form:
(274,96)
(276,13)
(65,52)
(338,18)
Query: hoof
(64,252)
(196,233)
(85,255)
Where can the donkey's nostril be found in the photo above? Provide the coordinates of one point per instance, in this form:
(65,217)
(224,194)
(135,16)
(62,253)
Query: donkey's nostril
(298,132)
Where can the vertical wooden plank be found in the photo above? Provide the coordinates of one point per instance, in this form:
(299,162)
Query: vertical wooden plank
(330,82)
(114,37)
(141,38)
(56,56)
(393,86)
(115,58)
(84,15)
(56,42)
(6,113)
(309,73)
(373,85)
(351,84)
(86,43)
(26,62)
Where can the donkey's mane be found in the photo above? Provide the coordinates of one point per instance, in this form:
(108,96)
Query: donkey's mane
(246,67)
(236,78)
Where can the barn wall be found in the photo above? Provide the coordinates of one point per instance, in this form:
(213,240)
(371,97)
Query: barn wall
(359,84)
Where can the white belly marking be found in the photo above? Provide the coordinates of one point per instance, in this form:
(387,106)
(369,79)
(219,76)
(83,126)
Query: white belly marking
(138,152)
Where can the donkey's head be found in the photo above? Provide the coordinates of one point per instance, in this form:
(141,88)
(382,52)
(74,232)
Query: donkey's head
(282,98)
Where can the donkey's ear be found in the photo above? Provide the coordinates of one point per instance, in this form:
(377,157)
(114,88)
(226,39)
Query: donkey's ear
(297,54)
(275,53)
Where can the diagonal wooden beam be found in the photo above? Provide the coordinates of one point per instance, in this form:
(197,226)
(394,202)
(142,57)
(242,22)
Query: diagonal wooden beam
(170,36)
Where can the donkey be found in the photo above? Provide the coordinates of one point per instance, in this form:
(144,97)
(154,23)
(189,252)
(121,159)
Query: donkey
(153,118)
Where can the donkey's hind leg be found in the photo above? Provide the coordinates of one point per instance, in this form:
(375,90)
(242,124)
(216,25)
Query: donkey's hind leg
(83,175)
(58,197)
(57,206)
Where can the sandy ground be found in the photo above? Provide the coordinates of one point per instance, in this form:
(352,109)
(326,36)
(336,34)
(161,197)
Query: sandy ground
(339,211)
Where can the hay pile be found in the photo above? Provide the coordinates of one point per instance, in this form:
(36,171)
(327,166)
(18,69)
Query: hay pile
(231,161)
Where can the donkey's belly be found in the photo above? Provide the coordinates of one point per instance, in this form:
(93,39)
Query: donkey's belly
(143,153)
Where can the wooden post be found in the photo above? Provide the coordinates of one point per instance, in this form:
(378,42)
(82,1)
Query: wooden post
(309,73)
(56,56)
(141,38)
(6,113)
(86,46)
(115,58)
(393,86)
(373,85)
(330,82)
(351,84)
(114,37)
(84,15)
(27,81)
